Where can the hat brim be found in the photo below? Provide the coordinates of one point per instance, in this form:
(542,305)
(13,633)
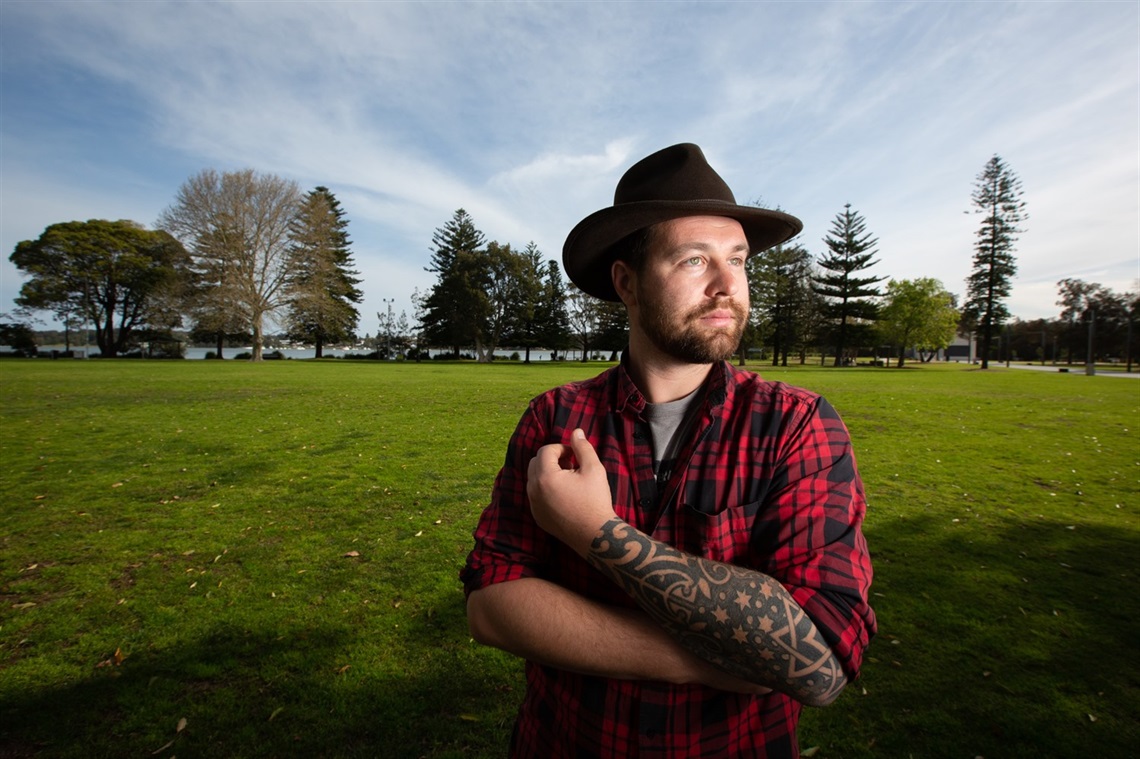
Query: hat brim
(592,245)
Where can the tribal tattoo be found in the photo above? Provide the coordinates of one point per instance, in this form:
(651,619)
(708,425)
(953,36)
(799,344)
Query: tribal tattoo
(739,620)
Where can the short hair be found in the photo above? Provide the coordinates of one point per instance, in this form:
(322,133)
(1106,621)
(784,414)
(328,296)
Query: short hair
(634,249)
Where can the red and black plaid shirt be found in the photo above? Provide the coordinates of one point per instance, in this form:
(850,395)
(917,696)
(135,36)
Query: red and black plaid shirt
(767,481)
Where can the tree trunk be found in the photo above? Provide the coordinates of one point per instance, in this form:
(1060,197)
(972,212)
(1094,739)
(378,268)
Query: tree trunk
(257,339)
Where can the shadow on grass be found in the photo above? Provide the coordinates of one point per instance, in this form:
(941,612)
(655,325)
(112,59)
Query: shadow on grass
(1002,639)
(253,693)
(998,637)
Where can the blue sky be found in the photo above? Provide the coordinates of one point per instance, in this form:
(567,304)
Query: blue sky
(526,114)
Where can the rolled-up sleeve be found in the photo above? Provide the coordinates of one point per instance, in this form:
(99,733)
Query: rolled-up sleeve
(815,512)
(508,543)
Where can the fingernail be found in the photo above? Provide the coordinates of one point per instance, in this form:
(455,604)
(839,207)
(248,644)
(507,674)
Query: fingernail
(577,433)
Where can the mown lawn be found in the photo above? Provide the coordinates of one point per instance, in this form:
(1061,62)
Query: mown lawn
(224,559)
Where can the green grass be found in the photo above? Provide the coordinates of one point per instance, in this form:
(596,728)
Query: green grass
(270,552)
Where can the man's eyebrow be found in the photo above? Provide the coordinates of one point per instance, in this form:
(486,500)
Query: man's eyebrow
(698,245)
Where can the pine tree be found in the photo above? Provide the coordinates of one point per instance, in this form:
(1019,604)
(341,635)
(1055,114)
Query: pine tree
(322,284)
(446,317)
(527,332)
(997,196)
(552,314)
(850,299)
(779,282)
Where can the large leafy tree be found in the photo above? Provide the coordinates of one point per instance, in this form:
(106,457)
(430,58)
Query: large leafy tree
(850,298)
(446,311)
(1076,299)
(497,278)
(997,197)
(919,314)
(236,226)
(116,274)
(322,284)
(1109,314)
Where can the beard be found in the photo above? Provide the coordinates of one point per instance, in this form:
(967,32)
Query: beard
(682,337)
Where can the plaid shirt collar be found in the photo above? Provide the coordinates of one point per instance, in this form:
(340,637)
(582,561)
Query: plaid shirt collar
(722,377)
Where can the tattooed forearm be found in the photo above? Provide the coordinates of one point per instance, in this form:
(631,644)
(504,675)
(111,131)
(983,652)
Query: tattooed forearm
(737,619)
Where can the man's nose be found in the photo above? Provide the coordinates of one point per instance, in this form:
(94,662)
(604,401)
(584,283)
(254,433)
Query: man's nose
(724,280)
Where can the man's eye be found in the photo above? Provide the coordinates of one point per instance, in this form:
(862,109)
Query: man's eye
(693,261)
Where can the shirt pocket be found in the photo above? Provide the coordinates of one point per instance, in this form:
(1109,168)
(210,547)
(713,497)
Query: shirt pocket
(723,535)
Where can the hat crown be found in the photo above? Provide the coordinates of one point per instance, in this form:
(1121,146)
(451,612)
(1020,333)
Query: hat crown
(677,173)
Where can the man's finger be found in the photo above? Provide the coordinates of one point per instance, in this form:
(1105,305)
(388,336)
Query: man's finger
(583,450)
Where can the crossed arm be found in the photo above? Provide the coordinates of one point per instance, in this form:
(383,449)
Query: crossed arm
(702,621)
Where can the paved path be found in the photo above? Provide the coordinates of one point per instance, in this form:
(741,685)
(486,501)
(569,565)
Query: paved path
(1077,369)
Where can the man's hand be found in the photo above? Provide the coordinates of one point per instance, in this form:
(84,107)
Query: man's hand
(570,502)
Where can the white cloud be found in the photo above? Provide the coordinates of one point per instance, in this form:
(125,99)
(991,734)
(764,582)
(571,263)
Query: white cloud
(525,114)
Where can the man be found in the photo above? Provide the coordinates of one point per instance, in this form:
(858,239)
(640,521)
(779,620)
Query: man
(673,546)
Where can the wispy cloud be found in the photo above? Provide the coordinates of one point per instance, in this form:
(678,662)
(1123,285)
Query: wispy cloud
(526,114)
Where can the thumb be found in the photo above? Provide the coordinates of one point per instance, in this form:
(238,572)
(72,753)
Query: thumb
(583,450)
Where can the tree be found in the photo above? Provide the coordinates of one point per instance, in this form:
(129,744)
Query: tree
(584,313)
(779,282)
(393,338)
(919,314)
(612,331)
(997,196)
(496,274)
(850,305)
(116,274)
(19,337)
(551,312)
(446,310)
(1110,314)
(528,324)
(236,226)
(1076,298)
(321,281)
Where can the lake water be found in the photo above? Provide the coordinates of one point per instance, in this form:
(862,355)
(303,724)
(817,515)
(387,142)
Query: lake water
(229,353)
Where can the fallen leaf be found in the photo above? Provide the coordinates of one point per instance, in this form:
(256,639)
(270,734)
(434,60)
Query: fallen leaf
(351,555)
(117,485)
(276,711)
(421,532)
(181,725)
(1092,718)
(25,605)
(468,718)
(810,751)
(343,669)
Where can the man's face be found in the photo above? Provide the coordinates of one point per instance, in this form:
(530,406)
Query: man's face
(692,291)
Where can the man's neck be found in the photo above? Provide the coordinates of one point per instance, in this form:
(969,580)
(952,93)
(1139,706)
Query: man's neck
(661,378)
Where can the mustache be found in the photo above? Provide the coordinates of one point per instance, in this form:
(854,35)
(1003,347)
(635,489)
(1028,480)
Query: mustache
(722,304)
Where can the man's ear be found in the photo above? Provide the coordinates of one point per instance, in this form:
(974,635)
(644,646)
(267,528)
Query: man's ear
(625,281)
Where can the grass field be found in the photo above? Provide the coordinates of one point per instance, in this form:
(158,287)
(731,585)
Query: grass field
(205,559)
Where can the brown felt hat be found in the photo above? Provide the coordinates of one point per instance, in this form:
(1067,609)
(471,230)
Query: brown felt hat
(670,184)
